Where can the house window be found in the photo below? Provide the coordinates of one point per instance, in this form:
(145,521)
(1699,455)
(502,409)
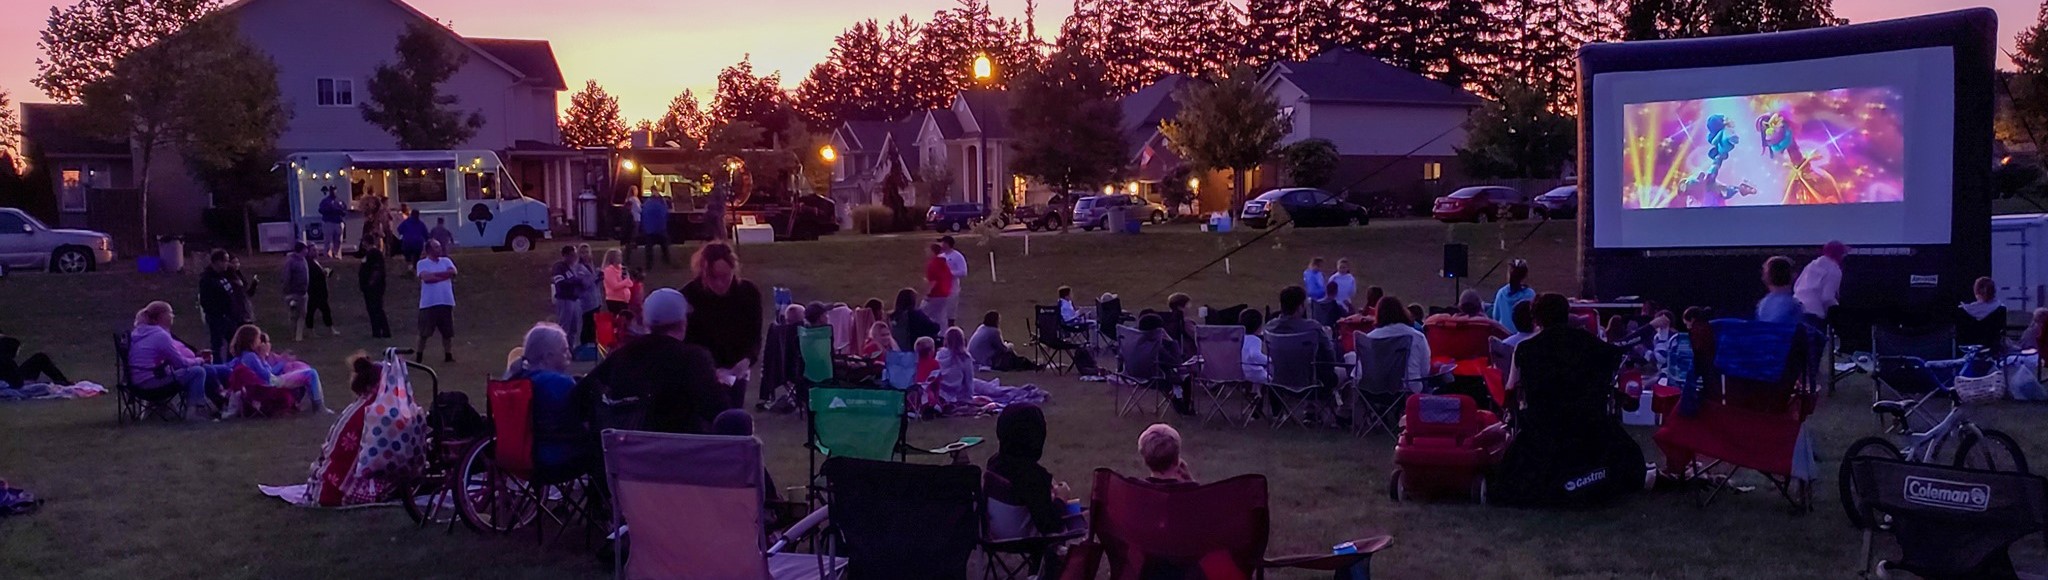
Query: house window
(337,92)
(1432,171)
(76,180)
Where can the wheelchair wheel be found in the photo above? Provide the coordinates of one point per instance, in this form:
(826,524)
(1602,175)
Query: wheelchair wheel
(1394,490)
(492,499)
(1865,447)
(1995,451)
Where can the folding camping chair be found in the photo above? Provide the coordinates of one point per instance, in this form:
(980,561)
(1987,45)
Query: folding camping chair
(814,344)
(723,496)
(1146,380)
(1049,335)
(1379,386)
(1213,530)
(1295,381)
(782,365)
(902,520)
(1109,314)
(1758,421)
(136,400)
(1011,544)
(1221,375)
(866,424)
(1950,522)
(1925,342)
(1500,356)
(507,488)
(1460,343)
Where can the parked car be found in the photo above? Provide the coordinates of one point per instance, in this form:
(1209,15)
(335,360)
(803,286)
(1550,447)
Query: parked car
(1481,204)
(1307,207)
(27,244)
(1559,204)
(1039,217)
(1093,212)
(954,217)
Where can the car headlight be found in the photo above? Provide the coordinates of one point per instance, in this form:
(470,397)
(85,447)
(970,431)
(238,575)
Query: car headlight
(106,243)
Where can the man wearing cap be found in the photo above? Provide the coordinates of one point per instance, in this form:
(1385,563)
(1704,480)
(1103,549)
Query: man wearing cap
(1820,284)
(679,388)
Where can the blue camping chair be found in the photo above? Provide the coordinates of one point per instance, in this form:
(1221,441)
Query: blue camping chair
(899,369)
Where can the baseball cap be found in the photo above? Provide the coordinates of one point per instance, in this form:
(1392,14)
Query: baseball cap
(665,306)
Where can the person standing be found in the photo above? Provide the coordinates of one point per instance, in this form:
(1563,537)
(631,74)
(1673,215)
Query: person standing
(437,300)
(316,294)
(370,279)
(714,212)
(218,301)
(412,236)
(631,231)
(958,264)
(1819,286)
(654,230)
(726,315)
(1313,279)
(297,281)
(1516,291)
(332,212)
(939,279)
(1347,286)
(245,292)
(441,234)
(593,295)
(568,291)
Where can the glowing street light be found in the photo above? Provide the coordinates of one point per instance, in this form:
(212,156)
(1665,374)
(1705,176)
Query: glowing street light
(1194,184)
(983,69)
(626,164)
(828,154)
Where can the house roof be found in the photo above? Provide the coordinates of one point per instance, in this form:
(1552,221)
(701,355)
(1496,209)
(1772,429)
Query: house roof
(523,74)
(864,136)
(1143,110)
(58,129)
(903,138)
(947,122)
(1345,75)
(534,58)
(990,109)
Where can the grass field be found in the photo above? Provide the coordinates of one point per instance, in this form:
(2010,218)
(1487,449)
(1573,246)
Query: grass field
(179,500)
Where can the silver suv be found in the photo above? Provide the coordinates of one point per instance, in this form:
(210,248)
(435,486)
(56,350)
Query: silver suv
(27,244)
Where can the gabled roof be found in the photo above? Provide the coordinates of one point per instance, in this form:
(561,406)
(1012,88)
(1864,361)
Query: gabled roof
(990,109)
(903,139)
(1143,110)
(864,136)
(1348,76)
(58,129)
(534,58)
(948,124)
(522,74)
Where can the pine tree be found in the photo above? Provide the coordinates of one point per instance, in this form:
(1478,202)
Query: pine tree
(947,45)
(1660,19)
(593,119)
(1541,50)
(685,123)
(1284,30)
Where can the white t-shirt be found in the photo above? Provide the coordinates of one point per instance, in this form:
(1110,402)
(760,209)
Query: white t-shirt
(1818,286)
(436,293)
(1253,356)
(958,264)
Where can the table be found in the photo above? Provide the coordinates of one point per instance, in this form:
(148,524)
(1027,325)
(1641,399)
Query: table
(753,234)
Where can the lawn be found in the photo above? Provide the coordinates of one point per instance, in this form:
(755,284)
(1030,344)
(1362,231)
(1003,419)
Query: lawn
(179,500)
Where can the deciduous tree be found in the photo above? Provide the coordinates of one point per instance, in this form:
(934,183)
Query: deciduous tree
(684,124)
(1310,162)
(1068,136)
(406,98)
(86,41)
(745,96)
(1518,136)
(1660,19)
(2028,119)
(593,119)
(1231,124)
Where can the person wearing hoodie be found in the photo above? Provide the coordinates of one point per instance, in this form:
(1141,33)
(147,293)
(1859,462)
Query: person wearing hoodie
(218,300)
(154,355)
(1020,437)
(1983,321)
(296,282)
(371,280)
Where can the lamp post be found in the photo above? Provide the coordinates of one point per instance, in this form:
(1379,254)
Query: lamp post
(983,71)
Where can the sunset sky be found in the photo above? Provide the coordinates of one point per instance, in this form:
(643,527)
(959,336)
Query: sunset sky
(646,51)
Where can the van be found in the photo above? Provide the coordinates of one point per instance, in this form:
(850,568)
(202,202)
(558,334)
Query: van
(468,190)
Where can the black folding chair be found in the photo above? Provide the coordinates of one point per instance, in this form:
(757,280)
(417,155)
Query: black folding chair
(135,401)
(1050,337)
(904,520)
(1294,383)
(1380,393)
(1011,544)
(1949,522)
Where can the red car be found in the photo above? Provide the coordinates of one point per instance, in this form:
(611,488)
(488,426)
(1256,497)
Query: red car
(1481,204)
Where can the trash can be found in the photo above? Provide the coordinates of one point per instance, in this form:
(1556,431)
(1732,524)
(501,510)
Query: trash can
(1219,223)
(586,214)
(1113,220)
(170,251)
(1132,223)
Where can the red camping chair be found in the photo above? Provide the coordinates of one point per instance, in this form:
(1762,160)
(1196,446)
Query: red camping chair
(1216,531)
(511,410)
(1458,342)
(1446,448)
(259,398)
(1745,423)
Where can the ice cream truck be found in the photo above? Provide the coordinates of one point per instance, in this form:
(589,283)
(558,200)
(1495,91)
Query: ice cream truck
(466,191)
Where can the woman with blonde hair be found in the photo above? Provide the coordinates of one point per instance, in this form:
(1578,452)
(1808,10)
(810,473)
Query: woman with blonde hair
(618,286)
(251,350)
(155,356)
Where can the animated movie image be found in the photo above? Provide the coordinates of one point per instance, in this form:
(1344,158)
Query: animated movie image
(1809,148)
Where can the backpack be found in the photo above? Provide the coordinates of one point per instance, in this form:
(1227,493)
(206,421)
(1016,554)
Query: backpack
(453,418)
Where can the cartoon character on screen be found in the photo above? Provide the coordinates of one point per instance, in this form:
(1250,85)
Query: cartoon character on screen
(1806,183)
(1704,189)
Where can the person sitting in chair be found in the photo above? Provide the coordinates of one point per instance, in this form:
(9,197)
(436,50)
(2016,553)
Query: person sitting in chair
(987,345)
(1159,447)
(1252,354)
(880,341)
(1020,436)
(1983,321)
(155,356)
(1070,317)
(562,436)
(1779,305)
(1394,323)
(1156,357)
(1470,311)
(1522,320)
(251,350)
(1568,432)
(680,383)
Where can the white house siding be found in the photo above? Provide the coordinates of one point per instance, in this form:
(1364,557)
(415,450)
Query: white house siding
(348,39)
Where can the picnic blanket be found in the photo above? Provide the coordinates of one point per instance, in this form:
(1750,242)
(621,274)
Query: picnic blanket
(43,391)
(296,495)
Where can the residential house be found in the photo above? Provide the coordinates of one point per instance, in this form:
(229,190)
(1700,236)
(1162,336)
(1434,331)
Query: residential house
(1396,131)
(1152,161)
(325,52)
(957,154)
(79,163)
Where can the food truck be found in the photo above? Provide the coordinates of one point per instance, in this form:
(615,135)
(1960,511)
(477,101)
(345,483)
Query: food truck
(693,181)
(467,191)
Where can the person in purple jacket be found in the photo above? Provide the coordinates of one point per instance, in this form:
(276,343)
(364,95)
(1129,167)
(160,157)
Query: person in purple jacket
(155,356)
(332,212)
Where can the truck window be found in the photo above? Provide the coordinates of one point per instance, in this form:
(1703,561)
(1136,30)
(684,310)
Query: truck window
(508,189)
(419,187)
(477,186)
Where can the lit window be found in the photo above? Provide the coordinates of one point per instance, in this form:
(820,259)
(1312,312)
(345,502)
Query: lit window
(1432,171)
(337,92)
(76,180)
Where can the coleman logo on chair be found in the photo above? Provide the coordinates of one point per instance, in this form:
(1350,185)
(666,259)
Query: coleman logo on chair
(1945,494)
(837,403)
(1585,480)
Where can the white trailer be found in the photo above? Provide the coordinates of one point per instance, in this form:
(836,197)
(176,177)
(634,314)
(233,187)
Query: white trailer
(2019,261)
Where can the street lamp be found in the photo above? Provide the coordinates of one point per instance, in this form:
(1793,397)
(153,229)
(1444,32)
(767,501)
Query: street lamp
(983,71)
(828,154)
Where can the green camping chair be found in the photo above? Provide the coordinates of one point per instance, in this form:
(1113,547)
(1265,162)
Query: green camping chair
(867,424)
(815,344)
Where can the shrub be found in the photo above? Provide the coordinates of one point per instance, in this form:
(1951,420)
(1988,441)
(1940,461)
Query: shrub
(873,218)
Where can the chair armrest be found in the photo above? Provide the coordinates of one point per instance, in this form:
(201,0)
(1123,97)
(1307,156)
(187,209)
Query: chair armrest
(800,529)
(1366,548)
(963,444)
(1083,561)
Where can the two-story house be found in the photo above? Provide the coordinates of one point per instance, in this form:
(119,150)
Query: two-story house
(325,52)
(1397,132)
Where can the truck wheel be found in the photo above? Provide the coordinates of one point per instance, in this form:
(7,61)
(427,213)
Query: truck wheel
(70,260)
(522,239)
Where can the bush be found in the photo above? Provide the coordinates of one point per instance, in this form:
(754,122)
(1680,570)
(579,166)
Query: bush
(873,218)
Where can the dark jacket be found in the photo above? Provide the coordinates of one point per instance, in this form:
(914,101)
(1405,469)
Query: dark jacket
(370,278)
(674,381)
(296,278)
(217,297)
(316,282)
(1286,324)
(1020,431)
(908,325)
(730,326)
